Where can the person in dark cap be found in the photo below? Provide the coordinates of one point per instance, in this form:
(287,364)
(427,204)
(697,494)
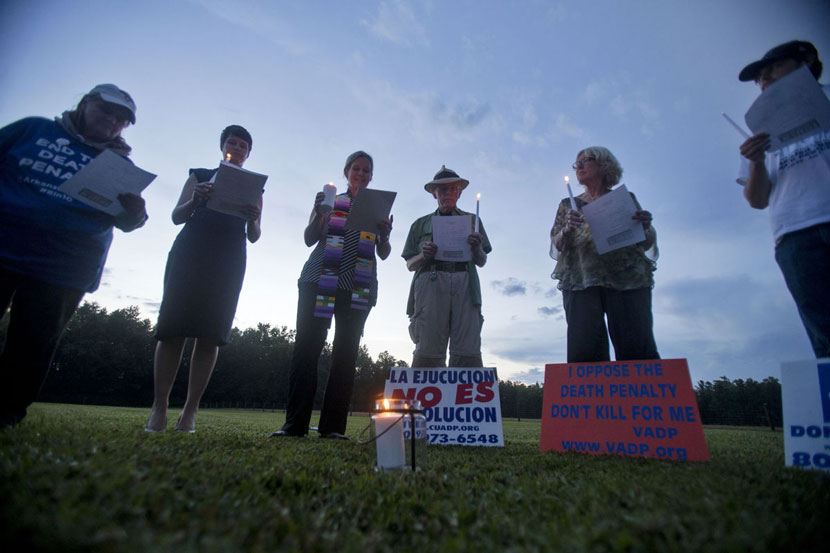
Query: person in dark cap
(53,247)
(794,181)
(444,305)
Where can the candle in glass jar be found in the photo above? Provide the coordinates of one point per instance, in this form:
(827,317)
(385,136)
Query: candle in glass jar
(390,441)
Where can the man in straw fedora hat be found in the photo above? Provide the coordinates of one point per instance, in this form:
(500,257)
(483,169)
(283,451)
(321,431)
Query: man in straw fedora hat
(444,305)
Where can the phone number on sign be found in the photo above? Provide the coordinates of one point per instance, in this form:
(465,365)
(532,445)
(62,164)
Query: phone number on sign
(463,438)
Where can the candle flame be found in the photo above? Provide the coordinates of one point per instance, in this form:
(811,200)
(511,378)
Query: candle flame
(386,404)
(567,179)
(228,156)
(478,196)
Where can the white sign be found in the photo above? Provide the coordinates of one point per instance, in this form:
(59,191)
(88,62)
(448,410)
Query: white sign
(791,108)
(805,390)
(610,219)
(235,188)
(369,208)
(450,235)
(102,180)
(461,405)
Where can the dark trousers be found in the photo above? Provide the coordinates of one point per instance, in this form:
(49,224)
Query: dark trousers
(804,259)
(308,345)
(39,313)
(630,324)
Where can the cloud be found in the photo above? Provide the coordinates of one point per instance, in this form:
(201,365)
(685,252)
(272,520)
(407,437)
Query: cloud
(396,22)
(625,100)
(510,287)
(428,116)
(461,116)
(549,311)
(736,326)
(566,127)
(258,18)
(535,375)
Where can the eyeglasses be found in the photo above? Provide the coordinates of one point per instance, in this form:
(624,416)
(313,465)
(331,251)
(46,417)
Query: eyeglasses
(581,163)
(110,110)
(447,189)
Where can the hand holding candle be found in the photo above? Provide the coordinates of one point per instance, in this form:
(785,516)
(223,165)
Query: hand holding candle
(478,201)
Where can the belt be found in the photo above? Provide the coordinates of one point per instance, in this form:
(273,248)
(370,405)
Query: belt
(447,266)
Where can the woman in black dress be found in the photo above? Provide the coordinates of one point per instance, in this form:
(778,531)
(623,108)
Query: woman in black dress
(202,281)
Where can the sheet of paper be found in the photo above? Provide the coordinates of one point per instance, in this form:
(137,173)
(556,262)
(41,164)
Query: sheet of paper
(103,179)
(234,188)
(609,218)
(450,235)
(791,108)
(369,208)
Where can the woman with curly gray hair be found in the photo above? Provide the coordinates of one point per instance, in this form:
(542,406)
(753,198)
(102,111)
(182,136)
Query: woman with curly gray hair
(615,285)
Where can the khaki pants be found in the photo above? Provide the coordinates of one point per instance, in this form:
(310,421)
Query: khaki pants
(445,313)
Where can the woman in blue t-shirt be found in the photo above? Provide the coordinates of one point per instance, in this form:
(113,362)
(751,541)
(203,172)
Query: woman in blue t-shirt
(53,247)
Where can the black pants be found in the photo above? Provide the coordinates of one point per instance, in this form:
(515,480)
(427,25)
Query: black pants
(39,313)
(308,345)
(630,324)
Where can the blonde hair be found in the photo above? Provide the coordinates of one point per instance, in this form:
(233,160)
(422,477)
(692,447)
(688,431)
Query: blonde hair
(609,166)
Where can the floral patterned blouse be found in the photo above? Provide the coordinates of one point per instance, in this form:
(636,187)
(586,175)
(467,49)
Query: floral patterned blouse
(580,266)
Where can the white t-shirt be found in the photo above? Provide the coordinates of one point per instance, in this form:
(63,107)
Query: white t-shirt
(800,177)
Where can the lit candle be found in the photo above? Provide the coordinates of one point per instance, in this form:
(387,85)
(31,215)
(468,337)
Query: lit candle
(478,201)
(570,194)
(390,441)
(330,191)
(228,156)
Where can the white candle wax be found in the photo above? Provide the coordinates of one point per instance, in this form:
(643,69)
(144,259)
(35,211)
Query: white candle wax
(330,191)
(390,445)
(570,194)
(478,201)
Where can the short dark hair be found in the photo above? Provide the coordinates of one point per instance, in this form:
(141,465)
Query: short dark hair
(238,131)
(358,154)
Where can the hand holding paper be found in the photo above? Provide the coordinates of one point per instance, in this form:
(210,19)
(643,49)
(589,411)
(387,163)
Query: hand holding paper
(235,190)
(100,183)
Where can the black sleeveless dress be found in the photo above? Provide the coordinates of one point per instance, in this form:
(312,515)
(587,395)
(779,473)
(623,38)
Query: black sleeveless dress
(204,274)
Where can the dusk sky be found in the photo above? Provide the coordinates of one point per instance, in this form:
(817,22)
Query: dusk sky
(504,93)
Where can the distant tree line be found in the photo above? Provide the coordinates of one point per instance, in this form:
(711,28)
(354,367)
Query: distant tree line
(106,358)
(740,402)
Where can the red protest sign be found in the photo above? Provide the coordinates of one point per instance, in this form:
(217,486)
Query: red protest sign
(639,408)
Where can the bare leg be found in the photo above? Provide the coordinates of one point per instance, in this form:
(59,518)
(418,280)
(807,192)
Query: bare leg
(201,367)
(166,363)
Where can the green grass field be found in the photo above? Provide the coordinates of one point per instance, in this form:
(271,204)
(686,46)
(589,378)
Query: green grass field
(79,478)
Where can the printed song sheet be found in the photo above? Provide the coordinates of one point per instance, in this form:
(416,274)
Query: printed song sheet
(234,188)
(450,235)
(103,179)
(790,109)
(609,218)
(369,208)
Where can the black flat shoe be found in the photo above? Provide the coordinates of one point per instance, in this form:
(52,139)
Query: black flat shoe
(283,434)
(334,436)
